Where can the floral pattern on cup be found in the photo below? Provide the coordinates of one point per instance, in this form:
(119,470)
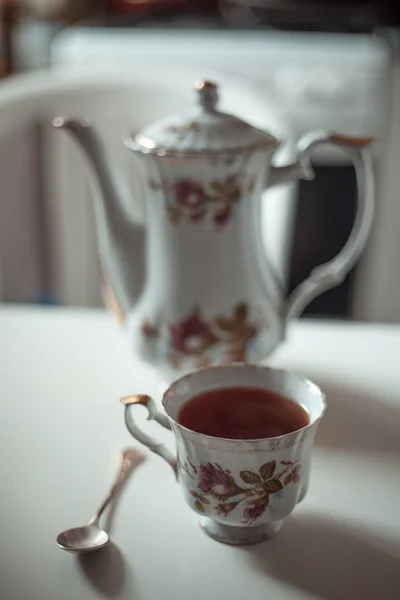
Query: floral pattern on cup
(217,487)
(193,200)
(195,336)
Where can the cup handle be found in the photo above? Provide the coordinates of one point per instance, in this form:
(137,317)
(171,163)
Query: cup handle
(332,273)
(154,414)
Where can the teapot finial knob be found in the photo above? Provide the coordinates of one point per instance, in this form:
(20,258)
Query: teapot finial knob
(208,94)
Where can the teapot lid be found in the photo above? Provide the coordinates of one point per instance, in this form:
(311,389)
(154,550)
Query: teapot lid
(202,131)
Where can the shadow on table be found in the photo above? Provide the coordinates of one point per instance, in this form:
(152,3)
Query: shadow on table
(330,560)
(357,421)
(106,571)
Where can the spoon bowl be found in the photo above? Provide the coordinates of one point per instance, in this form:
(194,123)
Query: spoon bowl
(83,539)
(91,537)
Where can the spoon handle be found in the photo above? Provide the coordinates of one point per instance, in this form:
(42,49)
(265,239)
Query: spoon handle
(131,458)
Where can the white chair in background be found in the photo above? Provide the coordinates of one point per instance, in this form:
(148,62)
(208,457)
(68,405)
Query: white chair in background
(118,101)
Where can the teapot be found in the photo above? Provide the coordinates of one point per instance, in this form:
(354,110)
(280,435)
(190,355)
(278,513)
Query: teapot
(209,295)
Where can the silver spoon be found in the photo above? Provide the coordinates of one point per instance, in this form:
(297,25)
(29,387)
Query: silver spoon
(91,537)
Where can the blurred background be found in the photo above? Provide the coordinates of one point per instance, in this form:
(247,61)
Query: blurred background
(308,65)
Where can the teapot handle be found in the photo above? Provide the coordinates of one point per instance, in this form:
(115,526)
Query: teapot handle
(332,273)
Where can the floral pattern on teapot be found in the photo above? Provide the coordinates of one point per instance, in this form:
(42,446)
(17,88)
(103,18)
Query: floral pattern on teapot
(213,483)
(194,200)
(194,337)
(181,131)
(206,171)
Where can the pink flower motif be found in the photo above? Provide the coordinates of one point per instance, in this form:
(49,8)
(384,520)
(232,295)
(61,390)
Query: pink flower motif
(189,193)
(215,481)
(192,336)
(251,513)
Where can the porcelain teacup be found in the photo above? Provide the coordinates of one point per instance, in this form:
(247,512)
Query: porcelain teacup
(242,489)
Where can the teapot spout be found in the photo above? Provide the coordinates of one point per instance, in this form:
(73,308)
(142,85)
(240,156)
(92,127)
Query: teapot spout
(120,242)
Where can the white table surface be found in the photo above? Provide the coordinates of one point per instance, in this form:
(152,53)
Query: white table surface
(61,375)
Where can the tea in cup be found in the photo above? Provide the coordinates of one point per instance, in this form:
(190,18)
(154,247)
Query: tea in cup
(244,437)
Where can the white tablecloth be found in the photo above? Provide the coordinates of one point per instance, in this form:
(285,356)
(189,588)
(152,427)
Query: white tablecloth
(62,373)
